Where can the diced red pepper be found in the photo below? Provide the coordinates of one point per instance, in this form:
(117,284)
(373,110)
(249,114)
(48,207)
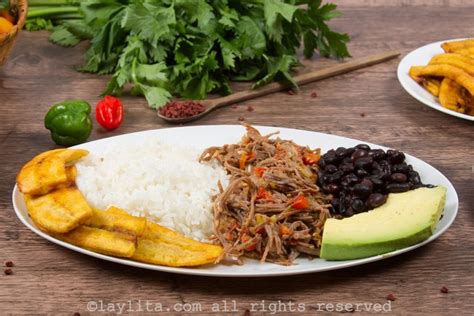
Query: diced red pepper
(109,113)
(300,202)
(246,238)
(246,157)
(263,194)
(285,230)
(311,158)
(259,171)
(229,236)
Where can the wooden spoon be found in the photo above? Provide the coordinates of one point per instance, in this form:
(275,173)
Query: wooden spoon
(212,104)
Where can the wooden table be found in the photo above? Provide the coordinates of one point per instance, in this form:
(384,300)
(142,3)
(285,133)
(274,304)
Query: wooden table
(368,104)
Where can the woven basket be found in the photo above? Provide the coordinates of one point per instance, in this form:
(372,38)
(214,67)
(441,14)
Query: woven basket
(8,40)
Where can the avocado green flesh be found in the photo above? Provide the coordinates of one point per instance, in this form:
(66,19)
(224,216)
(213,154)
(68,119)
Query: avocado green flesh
(404,220)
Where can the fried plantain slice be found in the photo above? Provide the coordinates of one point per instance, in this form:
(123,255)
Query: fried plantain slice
(450,95)
(47,171)
(469,52)
(102,241)
(160,245)
(158,252)
(431,85)
(450,47)
(454,73)
(464,62)
(116,221)
(59,211)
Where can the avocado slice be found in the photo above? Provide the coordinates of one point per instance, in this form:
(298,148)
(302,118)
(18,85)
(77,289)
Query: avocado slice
(405,219)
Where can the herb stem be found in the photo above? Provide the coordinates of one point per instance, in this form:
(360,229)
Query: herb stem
(41,3)
(46,12)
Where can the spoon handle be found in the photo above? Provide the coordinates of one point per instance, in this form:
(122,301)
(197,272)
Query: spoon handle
(303,79)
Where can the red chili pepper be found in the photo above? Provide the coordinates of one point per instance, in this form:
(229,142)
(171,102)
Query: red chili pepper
(300,202)
(109,113)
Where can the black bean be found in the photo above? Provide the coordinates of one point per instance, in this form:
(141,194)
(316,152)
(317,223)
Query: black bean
(333,188)
(377,154)
(322,163)
(401,167)
(359,153)
(363,146)
(345,185)
(335,205)
(324,178)
(383,162)
(330,169)
(349,151)
(348,212)
(398,187)
(361,173)
(368,183)
(396,157)
(347,160)
(346,167)
(414,177)
(398,177)
(351,179)
(331,160)
(376,165)
(375,200)
(335,177)
(364,163)
(358,205)
(377,182)
(377,172)
(340,152)
(361,190)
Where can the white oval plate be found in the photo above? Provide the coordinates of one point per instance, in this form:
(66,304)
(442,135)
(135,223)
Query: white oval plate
(205,136)
(421,57)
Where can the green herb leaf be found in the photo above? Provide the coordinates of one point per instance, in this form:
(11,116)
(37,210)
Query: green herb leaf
(62,36)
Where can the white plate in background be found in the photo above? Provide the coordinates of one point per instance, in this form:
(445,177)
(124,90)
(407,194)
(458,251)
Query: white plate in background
(421,57)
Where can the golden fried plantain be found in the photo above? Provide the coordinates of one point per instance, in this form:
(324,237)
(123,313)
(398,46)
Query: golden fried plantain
(100,240)
(158,252)
(469,52)
(160,245)
(47,171)
(450,95)
(116,221)
(456,74)
(59,211)
(450,47)
(431,85)
(456,60)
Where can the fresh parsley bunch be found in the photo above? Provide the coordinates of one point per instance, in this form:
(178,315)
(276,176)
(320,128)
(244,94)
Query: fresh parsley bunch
(190,48)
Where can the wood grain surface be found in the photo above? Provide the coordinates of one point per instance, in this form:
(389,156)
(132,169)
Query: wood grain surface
(367,104)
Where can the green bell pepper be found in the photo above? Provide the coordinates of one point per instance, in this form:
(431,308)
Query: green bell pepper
(69,122)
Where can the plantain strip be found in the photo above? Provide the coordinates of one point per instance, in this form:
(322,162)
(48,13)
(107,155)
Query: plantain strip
(47,171)
(102,241)
(450,95)
(456,74)
(460,61)
(454,46)
(59,211)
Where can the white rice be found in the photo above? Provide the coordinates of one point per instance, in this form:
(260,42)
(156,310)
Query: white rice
(160,181)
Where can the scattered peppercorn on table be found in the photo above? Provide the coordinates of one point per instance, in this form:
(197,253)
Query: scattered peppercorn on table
(41,278)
